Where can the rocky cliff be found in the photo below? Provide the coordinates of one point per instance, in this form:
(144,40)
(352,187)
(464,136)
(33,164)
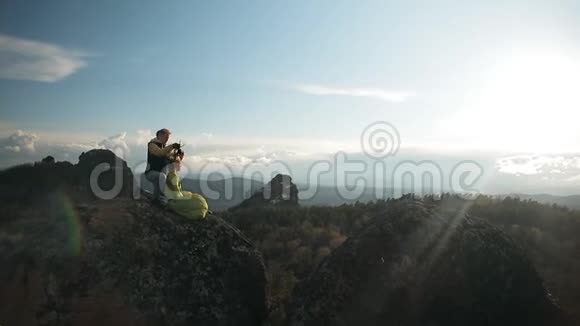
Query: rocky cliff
(70,258)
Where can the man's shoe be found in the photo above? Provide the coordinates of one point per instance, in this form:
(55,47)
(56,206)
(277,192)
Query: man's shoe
(159,203)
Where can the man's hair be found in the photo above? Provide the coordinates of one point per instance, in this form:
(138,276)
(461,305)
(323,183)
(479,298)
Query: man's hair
(161,132)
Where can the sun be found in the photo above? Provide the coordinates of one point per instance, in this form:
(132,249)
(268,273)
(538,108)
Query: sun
(528,100)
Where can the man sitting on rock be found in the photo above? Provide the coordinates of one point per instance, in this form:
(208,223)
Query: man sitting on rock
(157,161)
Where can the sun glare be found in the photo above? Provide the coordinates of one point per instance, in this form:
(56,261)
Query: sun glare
(527,101)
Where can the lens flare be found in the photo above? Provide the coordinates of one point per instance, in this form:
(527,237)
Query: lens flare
(65,212)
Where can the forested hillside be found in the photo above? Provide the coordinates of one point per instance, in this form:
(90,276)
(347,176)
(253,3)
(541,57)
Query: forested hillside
(294,240)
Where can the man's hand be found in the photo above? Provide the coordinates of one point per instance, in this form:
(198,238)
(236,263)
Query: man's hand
(176,145)
(180,153)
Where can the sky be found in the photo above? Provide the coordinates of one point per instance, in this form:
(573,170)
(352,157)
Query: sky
(243,82)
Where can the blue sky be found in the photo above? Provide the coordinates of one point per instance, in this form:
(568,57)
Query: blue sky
(234,78)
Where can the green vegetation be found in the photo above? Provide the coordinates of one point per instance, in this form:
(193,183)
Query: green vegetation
(294,240)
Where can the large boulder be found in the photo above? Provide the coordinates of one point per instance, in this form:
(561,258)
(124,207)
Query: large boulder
(104,175)
(414,266)
(71,258)
(279,191)
(126,262)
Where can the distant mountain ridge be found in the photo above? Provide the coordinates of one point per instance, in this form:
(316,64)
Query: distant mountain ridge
(330,195)
(572,202)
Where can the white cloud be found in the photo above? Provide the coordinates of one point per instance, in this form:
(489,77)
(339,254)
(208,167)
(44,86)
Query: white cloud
(117,144)
(143,136)
(229,160)
(378,93)
(20,142)
(73,147)
(219,145)
(241,158)
(200,149)
(38,61)
(553,167)
(207,135)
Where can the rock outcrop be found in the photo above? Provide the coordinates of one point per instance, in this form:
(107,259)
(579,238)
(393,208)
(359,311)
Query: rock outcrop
(104,174)
(279,191)
(415,266)
(48,160)
(67,261)
(99,174)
